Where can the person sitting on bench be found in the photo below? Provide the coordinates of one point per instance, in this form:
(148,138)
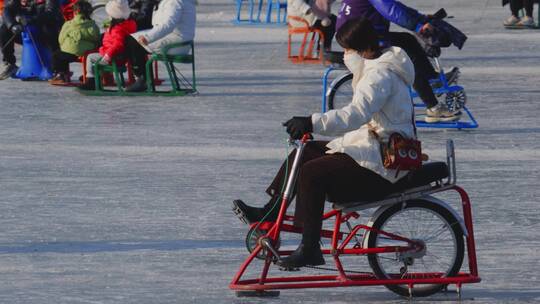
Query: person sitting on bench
(348,168)
(78,35)
(172,22)
(114,40)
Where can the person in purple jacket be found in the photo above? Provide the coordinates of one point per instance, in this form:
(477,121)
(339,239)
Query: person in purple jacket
(383,12)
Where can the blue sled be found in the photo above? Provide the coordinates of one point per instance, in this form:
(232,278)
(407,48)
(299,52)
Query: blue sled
(468,122)
(36,58)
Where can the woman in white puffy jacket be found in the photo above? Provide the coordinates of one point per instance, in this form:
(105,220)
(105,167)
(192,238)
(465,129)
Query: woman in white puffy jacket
(172,22)
(348,168)
(317,14)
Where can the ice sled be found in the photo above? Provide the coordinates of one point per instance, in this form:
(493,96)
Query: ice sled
(414,242)
(338,93)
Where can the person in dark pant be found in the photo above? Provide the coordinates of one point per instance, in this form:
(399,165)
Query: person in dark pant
(172,22)
(348,168)
(45,15)
(136,54)
(78,35)
(383,12)
(515,7)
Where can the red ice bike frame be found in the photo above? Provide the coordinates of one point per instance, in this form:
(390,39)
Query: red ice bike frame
(267,245)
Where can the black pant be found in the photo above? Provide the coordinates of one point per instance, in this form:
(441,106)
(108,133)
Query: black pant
(47,34)
(136,54)
(516,5)
(61,60)
(328,31)
(337,176)
(423,70)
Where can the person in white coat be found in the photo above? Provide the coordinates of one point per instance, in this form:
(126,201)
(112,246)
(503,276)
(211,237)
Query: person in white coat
(317,14)
(172,22)
(348,168)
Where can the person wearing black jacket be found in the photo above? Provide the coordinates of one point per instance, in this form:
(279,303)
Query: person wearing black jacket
(141,12)
(45,15)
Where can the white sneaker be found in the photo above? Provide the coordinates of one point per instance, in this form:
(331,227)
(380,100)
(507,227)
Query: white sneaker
(7,70)
(526,21)
(440,113)
(512,20)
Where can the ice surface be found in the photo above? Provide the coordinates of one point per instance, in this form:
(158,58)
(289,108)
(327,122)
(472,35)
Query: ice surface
(127,200)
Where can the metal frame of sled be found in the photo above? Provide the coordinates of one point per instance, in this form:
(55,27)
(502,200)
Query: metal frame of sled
(265,249)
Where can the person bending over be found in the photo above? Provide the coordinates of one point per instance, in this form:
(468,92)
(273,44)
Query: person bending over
(348,168)
(383,12)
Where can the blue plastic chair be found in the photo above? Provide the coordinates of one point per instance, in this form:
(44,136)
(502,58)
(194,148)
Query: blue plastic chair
(36,58)
(279,6)
(250,11)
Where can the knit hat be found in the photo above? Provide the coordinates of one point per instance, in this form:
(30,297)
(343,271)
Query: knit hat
(118,9)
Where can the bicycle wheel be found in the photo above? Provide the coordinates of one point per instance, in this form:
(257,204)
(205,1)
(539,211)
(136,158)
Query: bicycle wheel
(456,101)
(340,93)
(423,221)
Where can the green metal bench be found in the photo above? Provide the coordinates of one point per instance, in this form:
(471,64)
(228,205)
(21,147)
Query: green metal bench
(116,71)
(180,85)
(174,77)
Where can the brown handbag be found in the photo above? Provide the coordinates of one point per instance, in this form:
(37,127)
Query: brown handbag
(401,153)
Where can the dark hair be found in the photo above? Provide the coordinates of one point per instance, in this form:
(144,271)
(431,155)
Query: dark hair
(358,34)
(84,8)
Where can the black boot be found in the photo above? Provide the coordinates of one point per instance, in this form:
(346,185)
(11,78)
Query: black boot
(248,214)
(138,86)
(88,85)
(303,255)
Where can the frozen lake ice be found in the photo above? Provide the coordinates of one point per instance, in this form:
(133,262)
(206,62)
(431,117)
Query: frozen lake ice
(127,200)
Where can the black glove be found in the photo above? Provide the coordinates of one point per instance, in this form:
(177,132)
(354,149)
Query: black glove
(16,29)
(298,126)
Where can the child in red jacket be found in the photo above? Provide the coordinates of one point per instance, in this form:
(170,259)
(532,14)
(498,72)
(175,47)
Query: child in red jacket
(113,44)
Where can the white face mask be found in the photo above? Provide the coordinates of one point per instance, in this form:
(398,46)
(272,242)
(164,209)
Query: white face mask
(353,61)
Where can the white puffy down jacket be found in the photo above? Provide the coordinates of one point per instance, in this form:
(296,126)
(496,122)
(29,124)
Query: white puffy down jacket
(381,102)
(172,22)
